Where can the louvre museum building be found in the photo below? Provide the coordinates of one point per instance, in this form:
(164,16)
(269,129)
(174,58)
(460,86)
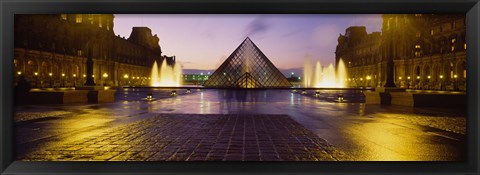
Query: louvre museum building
(428,52)
(52,50)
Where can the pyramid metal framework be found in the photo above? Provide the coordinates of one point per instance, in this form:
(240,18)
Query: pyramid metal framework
(247,67)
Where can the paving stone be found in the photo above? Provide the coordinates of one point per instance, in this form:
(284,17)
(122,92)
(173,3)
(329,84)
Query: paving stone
(195,137)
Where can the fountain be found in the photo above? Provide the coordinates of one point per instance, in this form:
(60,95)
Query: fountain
(166,75)
(320,77)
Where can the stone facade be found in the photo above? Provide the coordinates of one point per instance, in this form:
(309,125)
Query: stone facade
(428,51)
(52,50)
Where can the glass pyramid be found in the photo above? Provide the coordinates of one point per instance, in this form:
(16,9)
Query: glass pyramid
(247,67)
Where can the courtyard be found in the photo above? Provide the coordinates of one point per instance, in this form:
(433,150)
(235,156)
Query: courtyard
(237,125)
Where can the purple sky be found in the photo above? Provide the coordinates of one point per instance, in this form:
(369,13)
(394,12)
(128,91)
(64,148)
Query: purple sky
(205,41)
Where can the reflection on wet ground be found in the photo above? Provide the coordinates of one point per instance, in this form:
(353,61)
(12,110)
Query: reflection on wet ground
(351,131)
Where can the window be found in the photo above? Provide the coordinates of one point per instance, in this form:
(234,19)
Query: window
(78,19)
(63,16)
(453,40)
(417,46)
(465,46)
(453,48)
(431,31)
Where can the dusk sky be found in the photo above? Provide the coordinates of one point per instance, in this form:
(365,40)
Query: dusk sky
(205,41)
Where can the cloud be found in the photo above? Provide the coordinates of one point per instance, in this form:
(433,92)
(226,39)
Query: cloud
(257,26)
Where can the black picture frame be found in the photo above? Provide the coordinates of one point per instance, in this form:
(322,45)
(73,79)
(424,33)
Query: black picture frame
(10,7)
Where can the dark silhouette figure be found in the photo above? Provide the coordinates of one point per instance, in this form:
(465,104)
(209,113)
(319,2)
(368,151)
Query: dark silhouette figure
(21,89)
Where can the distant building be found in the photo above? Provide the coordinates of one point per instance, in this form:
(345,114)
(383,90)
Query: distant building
(51,50)
(428,50)
(195,79)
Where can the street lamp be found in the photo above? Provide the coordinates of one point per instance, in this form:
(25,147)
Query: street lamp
(441,82)
(63,79)
(105,76)
(51,83)
(456,82)
(36,78)
(126,78)
(368,80)
(74,80)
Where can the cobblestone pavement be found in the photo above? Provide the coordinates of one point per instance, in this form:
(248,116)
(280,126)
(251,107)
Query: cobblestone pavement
(350,131)
(194,137)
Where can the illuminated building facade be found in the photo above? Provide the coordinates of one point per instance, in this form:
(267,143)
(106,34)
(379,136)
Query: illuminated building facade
(428,52)
(195,79)
(52,50)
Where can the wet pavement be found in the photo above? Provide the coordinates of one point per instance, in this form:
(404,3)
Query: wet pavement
(294,126)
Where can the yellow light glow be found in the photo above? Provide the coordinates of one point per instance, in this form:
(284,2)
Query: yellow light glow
(84,75)
(63,75)
(50,74)
(74,75)
(125,76)
(368,77)
(454,76)
(105,75)
(428,77)
(408,77)
(36,73)
(399,78)
(19,73)
(418,77)
(441,76)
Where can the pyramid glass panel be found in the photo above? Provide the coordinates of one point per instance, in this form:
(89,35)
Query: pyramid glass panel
(247,67)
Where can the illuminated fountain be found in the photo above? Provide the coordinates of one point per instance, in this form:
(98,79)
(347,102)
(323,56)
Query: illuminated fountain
(166,75)
(324,77)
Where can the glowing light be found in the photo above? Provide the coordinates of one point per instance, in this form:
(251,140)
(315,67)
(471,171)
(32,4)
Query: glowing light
(50,74)
(428,77)
(74,75)
(36,73)
(166,75)
(317,76)
(441,76)
(399,78)
(454,76)
(408,77)
(63,74)
(105,75)
(418,77)
(125,76)
(368,77)
(19,73)
(84,75)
